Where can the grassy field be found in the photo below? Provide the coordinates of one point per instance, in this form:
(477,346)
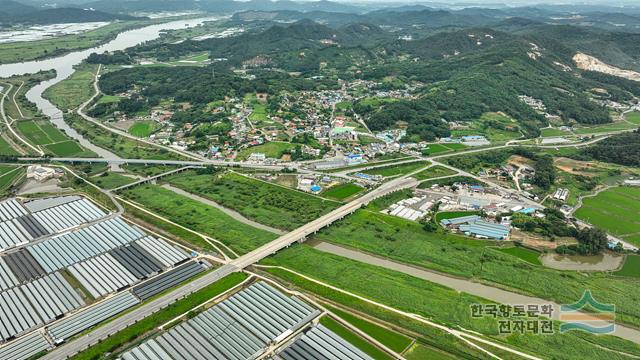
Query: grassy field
(528,255)
(354,339)
(199,217)
(435,302)
(389,338)
(342,191)
(149,324)
(148,170)
(397,170)
(550,132)
(108,99)
(111,180)
(6,149)
(434,149)
(43,133)
(75,90)
(621,204)
(421,352)
(272,149)
(633,117)
(407,242)
(143,129)
(263,202)
(434,172)
(605,128)
(631,267)
(30,50)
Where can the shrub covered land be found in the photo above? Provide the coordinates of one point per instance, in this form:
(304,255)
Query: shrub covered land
(263,202)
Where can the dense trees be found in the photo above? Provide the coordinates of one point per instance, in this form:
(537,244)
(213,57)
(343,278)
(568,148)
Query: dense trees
(545,174)
(623,149)
(591,241)
(117,57)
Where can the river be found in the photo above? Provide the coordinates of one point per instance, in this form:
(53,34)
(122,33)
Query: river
(63,65)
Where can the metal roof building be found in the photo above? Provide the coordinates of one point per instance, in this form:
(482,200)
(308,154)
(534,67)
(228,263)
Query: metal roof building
(241,327)
(320,343)
(486,229)
(167,254)
(102,275)
(35,303)
(168,279)
(91,316)
(61,251)
(24,347)
(459,220)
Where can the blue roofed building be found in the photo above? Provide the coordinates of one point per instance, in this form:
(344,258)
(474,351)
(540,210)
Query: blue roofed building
(473,225)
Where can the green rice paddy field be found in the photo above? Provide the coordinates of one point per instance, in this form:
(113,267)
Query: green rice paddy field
(54,141)
(342,191)
(616,211)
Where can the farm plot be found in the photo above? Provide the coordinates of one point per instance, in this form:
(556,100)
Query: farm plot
(50,139)
(621,204)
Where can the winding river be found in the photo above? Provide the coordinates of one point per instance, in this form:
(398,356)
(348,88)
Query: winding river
(63,65)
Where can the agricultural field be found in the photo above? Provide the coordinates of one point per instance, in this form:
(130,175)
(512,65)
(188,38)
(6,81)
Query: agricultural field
(407,242)
(6,149)
(30,50)
(397,170)
(421,352)
(44,134)
(9,175)
(272,149)
(199,217)
(342,191)
(434,172)
(429,300)
(260,201)
(528,255)
(259,114)
(631,267)
(143,129)
(621,204)
(111,180)
(75,90)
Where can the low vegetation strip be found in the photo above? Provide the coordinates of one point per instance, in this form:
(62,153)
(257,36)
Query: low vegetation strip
(354,339)
(439,303)
(407,242)
(150,323)
(621,204)
(342,191)
(199,217)
(389,338)
(257,200)
(397,170)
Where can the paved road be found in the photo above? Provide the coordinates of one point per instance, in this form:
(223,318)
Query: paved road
(459,284)
(237,264)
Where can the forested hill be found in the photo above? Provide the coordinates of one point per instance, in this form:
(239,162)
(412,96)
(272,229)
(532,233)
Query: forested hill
(282,44)
(12,12)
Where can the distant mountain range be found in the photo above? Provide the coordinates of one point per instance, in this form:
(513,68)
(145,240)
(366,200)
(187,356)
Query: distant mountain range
(13,12)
